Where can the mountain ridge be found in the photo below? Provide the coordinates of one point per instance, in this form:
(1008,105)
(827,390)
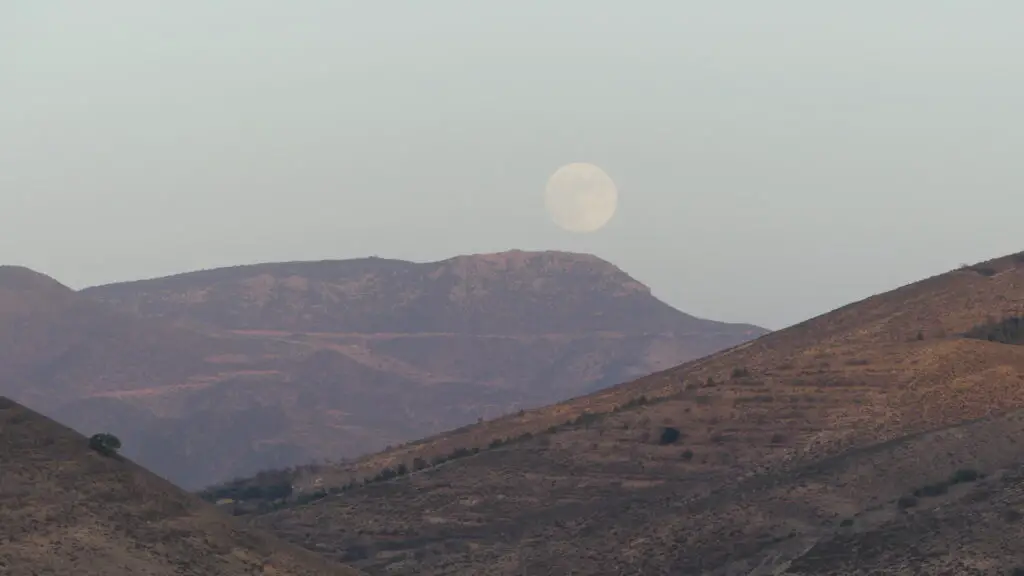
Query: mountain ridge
(465,285)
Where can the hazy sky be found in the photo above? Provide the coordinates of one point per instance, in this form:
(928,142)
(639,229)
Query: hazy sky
(774,159)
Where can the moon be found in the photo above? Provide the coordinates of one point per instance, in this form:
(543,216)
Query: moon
(580,197)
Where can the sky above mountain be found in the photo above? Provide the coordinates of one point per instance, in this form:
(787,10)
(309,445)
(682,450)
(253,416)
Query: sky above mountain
(773,160)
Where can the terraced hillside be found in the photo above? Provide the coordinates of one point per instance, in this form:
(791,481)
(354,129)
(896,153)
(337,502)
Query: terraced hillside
(66,509)
(798,453)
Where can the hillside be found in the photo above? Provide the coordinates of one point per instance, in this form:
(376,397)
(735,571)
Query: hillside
(222,373)
(875,439)
(68,510)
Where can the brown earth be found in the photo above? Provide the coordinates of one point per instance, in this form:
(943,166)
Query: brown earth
(66,509)
(798,453)
(221,373)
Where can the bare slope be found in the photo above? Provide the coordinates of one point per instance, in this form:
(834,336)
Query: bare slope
(65,509)
(787,455)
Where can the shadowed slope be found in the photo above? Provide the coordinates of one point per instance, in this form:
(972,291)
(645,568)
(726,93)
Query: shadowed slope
(65,509)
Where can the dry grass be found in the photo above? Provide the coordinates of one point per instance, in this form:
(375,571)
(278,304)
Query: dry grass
(65,509)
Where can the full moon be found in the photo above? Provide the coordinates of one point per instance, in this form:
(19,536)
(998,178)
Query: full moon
(580,197)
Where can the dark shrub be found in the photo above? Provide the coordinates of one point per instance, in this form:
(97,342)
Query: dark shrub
(932,490)
(104,443)
(906,502)
(964,475)
(585,418)
(251,493)
(278,491)
(983,270)
(1007,331)
(687,455)
(740,372)
(311,497)
(354,553)
(669,436)
(638,401)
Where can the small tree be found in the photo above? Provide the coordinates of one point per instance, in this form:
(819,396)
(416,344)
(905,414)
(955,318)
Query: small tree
(669,436)
(105,443)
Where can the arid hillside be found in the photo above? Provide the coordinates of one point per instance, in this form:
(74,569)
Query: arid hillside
(881,438)
(67,509)
(221,373)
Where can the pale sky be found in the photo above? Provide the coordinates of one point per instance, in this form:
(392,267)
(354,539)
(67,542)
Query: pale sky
(774,160)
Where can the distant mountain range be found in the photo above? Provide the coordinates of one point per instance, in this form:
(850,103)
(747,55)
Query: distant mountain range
(219,373)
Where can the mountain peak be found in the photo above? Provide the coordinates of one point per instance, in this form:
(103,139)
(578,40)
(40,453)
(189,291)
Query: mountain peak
(20,278)
(25,291)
